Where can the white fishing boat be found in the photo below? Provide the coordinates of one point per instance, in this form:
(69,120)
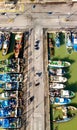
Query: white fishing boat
(58,64)
(55,71)
(6,43)
(57,86)
(62,93)
(57,79)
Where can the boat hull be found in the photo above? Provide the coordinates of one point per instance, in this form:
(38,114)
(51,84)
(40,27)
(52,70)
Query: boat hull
(62,93)
(11,86)
(57,79)
(58,64)
(57,86)
(10,112)
(11,77)
(64,113)
(60,101)
(10,123)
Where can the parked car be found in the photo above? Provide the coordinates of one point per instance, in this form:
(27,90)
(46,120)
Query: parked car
(36,46)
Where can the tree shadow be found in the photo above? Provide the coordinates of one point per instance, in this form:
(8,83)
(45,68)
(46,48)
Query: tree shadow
(11,56)
(72,87)
(62,38)
(67,74)
(51,118)
(65,59)
(12,43)
(73,104)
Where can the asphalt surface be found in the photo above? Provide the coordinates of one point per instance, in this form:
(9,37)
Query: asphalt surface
(54,16)
(36,110)
(35,107)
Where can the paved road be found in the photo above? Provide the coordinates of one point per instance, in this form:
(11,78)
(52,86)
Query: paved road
(34,73)
(45,15)
(35,107)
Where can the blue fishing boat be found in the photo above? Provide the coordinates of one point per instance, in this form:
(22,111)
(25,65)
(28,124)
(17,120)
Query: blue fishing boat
(57,42)
(11,77)
(10,112)
(1,39)
(10,123)
(8,103)
(9,94)
(60,101)
(10,86)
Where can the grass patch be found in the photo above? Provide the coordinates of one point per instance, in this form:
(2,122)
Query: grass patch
(62,54)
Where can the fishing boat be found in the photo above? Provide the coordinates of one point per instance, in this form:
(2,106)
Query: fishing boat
(60,101)
(62,93)
(10,68)
(69,44)
(10,123)
(10,86)
(11,65)
(8,103)
(6,43)
(55,71)
(7,62)
(58,79)
(11,77)
(64,113)
(58,64)
(13,61)
(18,44)
(57,41)
(10,112)
(9,94)
(57,86)
(1,39)
(67,94)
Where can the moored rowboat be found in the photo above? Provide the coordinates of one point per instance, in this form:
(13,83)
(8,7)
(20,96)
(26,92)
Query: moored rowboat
(58,79)
(10,112)
(62,93)
(57,86)
(58,64)
(10,123)
(60,101)
(11,86)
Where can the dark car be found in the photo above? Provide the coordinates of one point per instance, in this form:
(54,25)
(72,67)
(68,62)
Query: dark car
(38,83)
(36,46)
